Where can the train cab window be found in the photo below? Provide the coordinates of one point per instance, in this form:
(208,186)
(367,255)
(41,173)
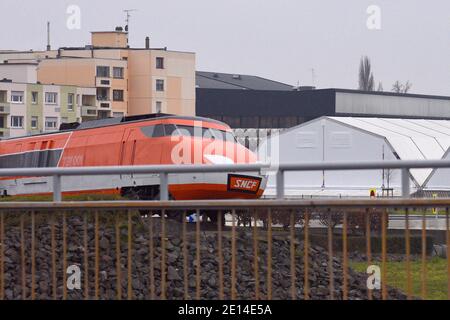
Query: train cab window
(170,129)
(192,131)
(230,137)
(188,131)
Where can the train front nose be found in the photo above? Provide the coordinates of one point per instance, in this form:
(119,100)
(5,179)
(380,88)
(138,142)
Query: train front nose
(223,185)
(220,185)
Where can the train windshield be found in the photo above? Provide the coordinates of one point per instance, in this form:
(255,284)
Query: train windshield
(190,131)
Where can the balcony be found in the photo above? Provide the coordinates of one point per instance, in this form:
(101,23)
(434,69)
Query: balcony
(35,131)
(89,111)
(103,82)
(4,108)
(103,104)
(4,133)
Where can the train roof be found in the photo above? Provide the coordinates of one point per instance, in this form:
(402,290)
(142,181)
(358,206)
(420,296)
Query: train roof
(75,126)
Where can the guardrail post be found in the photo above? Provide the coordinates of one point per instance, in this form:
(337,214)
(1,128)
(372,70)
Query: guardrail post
(164,186)
(280,184)
(57,197)
(405,183)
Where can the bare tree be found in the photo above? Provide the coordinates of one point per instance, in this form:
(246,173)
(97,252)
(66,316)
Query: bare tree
(380,87)
(407,86)
(388,175)
(366,81)
(398,87)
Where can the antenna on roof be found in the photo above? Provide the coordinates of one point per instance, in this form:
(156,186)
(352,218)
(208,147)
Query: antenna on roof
(127,20)
(313,77)
(48,36)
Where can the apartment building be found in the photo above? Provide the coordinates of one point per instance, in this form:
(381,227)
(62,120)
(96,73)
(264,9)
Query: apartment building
(128,81)
(28,107)
(108,76)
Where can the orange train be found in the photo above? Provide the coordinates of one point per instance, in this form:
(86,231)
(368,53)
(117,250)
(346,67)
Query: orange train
(140,140)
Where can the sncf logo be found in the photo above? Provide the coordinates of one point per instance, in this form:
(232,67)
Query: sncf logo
(243,183)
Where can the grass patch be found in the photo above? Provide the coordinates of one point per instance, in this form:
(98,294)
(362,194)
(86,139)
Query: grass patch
(396,276)
(81,197)
(427,211)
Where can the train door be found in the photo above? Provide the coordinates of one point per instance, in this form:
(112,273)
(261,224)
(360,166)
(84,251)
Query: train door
(128,150)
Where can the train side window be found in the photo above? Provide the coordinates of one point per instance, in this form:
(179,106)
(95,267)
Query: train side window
(153,131)
(148,131)
(159,131)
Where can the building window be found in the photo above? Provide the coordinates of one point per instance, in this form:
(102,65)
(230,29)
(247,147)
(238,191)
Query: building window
(159,63)
(2,122)
(159,85)
(34,97)
(70,98)
(102,72)
(102,94)
(118,72)
(117,95)
(51,97)
(34,122)
(16,122)
(16,96)
(51,123)
(158,106)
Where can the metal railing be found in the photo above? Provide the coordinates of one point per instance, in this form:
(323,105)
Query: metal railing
(266,249)
(279,169)
(131,250)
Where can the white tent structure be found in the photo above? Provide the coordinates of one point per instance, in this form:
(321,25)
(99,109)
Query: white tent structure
(359,139)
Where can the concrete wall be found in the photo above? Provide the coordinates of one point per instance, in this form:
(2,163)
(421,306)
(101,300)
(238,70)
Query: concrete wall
(19,72)
(79,72)
(113,39)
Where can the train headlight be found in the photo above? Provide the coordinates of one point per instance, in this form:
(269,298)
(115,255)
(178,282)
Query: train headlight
(218,159)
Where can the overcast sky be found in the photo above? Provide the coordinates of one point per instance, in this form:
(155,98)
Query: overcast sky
(278,39)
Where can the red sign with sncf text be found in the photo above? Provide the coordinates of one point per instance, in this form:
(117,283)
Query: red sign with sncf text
(243,183)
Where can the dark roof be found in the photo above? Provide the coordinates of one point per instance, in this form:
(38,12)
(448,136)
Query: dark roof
(308,103)
(250,103)
(216,80)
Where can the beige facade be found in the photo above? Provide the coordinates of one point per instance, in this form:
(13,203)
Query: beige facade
(108,76)
(115,39)
(178,79)
(152,80)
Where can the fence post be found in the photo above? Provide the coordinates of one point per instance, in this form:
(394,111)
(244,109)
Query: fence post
(280,184)
(57,188)
(405,183)
(164,186)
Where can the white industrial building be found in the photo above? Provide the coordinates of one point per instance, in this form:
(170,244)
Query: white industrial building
(360,139)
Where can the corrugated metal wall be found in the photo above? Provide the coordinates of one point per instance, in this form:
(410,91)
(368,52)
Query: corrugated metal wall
(388,105)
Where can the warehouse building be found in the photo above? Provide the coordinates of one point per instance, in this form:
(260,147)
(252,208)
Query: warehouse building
(252,102)
(360,139)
